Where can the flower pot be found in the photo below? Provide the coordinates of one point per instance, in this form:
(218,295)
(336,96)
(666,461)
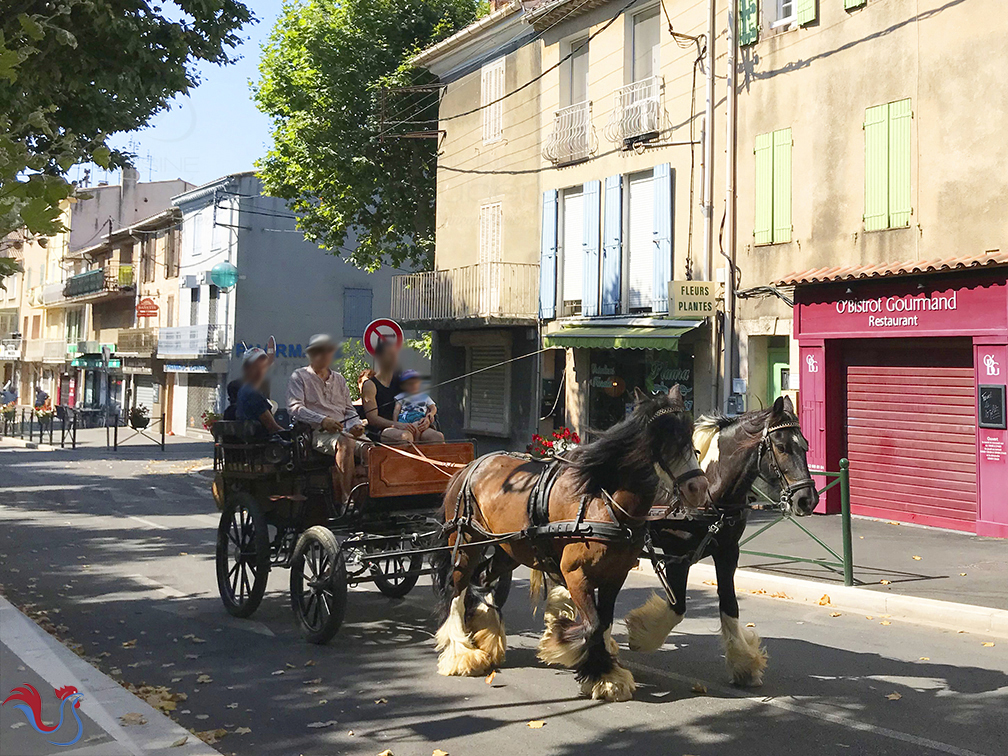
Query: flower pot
(139,423)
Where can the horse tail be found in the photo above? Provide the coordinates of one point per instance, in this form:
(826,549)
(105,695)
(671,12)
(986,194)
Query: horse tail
(441,560)
(537,587)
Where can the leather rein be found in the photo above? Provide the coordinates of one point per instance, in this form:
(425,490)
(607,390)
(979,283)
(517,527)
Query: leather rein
(788,489)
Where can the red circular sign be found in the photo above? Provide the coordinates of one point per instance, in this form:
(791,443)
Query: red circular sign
(381,328)
(147,308)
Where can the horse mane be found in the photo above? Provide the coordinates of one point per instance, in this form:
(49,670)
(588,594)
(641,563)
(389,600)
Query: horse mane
(708,426)
(615,453)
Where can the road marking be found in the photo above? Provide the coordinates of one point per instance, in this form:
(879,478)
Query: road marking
(836,719)
(161,588)
(148,523)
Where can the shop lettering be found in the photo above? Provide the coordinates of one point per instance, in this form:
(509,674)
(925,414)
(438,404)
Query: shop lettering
(693,307)
(935,303)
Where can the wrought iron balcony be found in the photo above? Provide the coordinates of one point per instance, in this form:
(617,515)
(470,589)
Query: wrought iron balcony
(499,291)
(139,341)
(573,139)
(638,113)
(197,340)
(112,279)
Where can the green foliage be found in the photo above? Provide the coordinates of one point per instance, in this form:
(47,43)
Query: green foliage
(351,361)
(8,267)
(421,344)
(74,71)
(322,75)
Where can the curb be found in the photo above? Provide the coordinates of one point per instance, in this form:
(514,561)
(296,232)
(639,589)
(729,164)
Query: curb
(104,700)
(945,615)
(20,443)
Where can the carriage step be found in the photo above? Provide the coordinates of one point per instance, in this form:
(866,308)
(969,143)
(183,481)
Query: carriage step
(288,497)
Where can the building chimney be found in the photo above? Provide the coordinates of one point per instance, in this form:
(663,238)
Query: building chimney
(130,177)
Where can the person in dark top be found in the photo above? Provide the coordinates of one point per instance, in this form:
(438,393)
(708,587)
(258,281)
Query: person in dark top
(378,396)
(231,411)
(251,404)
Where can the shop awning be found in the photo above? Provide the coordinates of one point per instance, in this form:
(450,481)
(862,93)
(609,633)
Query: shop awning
(616,337)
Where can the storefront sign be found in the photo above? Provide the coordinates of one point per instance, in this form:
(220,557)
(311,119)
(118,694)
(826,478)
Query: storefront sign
(692,299)
(147,308)
(991,407)
(181,367)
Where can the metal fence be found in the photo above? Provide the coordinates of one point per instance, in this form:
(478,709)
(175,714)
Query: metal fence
(638,111)
(484,290)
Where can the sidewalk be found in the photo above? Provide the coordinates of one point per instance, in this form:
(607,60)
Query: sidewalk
(29,655)
(915,561)
(95,438)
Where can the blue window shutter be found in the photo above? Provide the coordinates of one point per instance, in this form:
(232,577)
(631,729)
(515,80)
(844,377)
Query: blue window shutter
(590,288)
(662,236)
(612,246)
(548,254)
(356,312)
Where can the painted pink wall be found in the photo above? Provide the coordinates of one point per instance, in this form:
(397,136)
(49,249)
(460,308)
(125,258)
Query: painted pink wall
(991,367)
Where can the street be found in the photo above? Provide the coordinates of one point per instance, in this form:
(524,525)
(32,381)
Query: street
(118,555)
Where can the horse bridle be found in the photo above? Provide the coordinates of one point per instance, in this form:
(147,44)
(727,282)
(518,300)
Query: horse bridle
(679,480)
(788,490)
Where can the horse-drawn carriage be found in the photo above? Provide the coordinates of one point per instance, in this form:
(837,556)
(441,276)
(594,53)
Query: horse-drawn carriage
(279,509)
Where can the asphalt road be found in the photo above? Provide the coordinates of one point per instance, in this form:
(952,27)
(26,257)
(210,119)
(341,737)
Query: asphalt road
(119,554)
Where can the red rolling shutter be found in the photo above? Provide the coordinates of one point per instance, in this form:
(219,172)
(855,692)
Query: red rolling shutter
(911,441)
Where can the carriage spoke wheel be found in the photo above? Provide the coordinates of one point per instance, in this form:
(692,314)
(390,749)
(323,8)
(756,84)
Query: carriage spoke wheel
(318,584)
(395,576)
(243,555)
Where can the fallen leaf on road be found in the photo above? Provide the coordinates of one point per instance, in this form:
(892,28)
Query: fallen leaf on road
(17,725)
(192,656)
(211,736)
(310,663)
(916,558)
(176,679)
(134,665)
(202,716)
(883,581)
(315,681)
(129,643)
(115,671)
(198,640)
(323,701)
(868,616)
(709,582)
(779,595)
(962,574)
(885,622)
(381,701)
(439,752)
(183,553)
(278,672)
(321,725)
(232,705)
(204,679)
(289,665)
(834,614)
(989,644)
(490,677)
(750,624)
(169,664)
(243,731)
(536,724)
(386,752)
(132,718)
(894,696)
(825,600)
(758,592)
(699,688)
(924,658)
(180,742)
(104,655)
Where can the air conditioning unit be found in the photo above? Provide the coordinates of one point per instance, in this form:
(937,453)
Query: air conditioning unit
(190,282)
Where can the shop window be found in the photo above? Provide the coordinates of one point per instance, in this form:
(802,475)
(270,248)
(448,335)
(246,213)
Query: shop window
(773,187)
(887,166)
(573,250)
(615,373)
(488,389)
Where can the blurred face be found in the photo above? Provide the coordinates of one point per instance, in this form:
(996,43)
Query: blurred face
(322,358)
(412,386)
(255,372)
(388,359)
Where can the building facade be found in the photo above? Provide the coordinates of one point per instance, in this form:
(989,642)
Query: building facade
(286,287)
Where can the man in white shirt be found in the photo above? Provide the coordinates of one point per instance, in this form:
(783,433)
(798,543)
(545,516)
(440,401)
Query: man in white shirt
(318,396)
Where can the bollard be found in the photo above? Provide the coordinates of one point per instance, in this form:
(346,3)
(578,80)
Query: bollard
(73,439)
(845,516)
(162,431)
(115,436)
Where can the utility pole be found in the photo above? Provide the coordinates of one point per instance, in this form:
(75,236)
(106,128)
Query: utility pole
(731,226)
(707,270)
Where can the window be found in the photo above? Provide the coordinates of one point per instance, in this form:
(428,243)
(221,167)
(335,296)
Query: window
(491,92)
(212,310)
(36,331)
(785,12)
(172,253)
(148,256)
(488,391)
(848,4)
(573,250)
(356,312)
(126,254)
(773,188)
(646,46)
(489,253)
(74,325)
(640,244)
(748,23)
(887,166)
(574,81)
(194,305)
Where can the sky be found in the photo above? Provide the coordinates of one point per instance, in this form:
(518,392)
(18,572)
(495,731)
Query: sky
(216,129)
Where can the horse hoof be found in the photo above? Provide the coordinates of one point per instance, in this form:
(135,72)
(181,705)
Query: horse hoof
(616,685)
(488,634)
(650,624)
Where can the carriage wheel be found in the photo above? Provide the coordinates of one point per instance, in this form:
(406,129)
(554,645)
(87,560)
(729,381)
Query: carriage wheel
(243,555)
(318,584)
(395,576)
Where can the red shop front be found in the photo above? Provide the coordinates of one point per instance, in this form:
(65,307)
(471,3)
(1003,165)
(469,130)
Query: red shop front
(903,371)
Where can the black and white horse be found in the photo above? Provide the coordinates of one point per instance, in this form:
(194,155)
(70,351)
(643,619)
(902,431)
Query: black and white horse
(733,452)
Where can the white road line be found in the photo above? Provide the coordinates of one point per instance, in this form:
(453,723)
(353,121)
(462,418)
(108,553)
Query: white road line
(148,523)
(161,588)
(836,719)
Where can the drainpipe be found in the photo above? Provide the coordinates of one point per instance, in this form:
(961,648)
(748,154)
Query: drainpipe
(731,226)
(707,273)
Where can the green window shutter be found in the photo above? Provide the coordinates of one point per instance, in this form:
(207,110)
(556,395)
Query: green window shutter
(748,22)
(900,115)
(848,4)
(763,226)
(806,11)
(782,186)
(876,128)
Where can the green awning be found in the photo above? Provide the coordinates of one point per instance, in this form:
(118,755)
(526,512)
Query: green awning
(615,337)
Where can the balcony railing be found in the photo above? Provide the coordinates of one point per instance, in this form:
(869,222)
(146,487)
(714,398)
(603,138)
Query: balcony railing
(198,340)
(139,341)
(502,290)
(573,138)
(52,293)
(638,112)
(10,349)
(54,350)
(110,279)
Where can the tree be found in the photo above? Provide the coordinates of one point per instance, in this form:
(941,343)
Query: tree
(322,75)
(8,267)
(73,72)
(351,362)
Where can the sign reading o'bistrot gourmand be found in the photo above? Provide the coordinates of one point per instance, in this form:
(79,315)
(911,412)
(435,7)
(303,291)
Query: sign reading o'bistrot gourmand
(692,299)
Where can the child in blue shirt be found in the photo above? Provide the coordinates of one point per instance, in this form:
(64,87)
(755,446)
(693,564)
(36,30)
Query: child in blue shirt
(417,409)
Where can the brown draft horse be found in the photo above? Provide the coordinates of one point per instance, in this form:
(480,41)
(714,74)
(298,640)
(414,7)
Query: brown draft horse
(596,506)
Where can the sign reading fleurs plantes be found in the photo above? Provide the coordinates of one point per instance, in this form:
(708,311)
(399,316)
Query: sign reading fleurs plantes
(692,299)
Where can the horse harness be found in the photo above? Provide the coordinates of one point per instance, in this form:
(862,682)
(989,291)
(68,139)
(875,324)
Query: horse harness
(788,490)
